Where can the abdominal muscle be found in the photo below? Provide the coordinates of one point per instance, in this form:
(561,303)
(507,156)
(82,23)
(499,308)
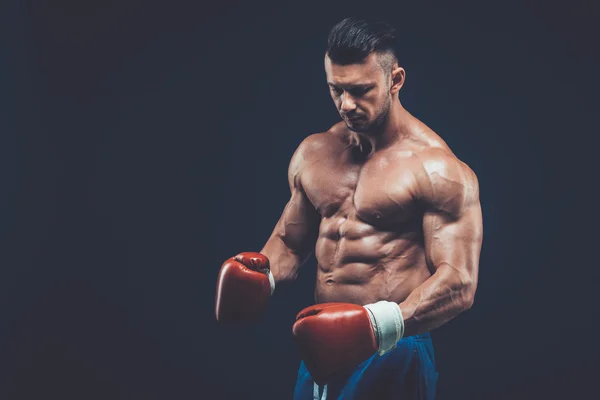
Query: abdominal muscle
(361,265)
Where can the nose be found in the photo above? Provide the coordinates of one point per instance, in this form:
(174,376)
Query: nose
(348,103)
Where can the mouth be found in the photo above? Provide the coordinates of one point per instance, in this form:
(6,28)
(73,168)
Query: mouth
(353,119)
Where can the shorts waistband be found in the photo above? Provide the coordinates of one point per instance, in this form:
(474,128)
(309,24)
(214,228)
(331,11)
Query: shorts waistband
(420,336)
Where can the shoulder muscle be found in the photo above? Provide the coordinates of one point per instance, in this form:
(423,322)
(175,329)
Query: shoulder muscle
(307,150)
(447,184)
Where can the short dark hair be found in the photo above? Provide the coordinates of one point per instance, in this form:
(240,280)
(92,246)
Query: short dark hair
(352,40)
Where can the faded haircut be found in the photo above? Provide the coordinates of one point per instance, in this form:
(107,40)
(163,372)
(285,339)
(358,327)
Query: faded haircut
(352,40)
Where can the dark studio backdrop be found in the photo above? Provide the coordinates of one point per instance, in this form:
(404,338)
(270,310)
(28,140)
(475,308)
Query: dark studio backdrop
(143,143)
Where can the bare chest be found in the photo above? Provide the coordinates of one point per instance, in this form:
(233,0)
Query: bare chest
(380,191)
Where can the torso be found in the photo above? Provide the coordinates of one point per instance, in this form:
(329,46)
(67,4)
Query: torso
(370,245)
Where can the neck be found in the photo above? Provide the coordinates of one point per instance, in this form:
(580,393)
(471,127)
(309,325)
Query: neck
(391,131)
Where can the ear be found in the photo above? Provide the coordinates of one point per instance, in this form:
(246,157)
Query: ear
(398,76)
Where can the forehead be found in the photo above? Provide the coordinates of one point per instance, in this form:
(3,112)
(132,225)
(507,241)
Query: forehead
(367,69)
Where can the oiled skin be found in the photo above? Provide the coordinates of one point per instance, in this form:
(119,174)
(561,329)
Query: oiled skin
(396,219)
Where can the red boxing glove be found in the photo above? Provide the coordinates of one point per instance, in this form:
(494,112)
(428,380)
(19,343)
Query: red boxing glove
(334,338)
(244,286)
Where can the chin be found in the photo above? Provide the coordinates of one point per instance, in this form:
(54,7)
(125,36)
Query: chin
(360,128)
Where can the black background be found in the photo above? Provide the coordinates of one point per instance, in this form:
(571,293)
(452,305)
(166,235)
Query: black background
(143,143)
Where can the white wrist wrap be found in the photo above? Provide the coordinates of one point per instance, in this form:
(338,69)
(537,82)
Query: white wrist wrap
(271,280)
(388,324)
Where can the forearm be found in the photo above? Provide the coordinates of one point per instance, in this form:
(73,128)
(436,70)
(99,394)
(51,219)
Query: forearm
(285,262)
(443,296)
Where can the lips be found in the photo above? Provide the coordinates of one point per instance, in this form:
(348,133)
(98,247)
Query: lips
(354,119)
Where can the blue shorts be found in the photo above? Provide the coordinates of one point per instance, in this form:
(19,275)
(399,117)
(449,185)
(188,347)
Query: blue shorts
(406,372)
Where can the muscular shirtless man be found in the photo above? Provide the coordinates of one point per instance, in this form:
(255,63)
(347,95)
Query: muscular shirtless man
(395,221)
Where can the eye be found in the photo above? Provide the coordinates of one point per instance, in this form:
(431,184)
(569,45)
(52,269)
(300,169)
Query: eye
(360,91)
(336,91)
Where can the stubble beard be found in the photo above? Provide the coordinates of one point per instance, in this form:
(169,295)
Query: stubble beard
(375,127)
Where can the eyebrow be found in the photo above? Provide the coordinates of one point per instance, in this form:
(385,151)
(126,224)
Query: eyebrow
(351,86)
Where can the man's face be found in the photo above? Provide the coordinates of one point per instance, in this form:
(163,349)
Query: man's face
(361,92)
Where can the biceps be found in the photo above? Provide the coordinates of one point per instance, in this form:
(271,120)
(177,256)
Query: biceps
(455,243)
(299,223)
